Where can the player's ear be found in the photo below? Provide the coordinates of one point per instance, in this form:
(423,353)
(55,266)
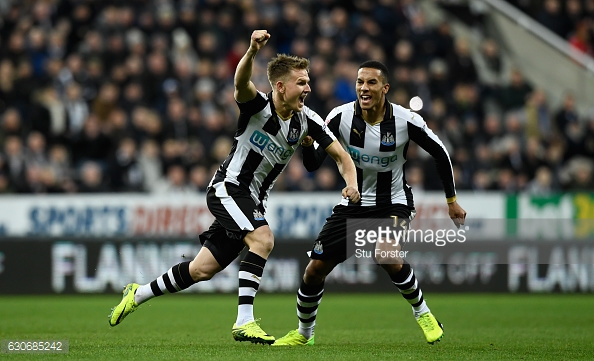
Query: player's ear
(386,88)
(280,87)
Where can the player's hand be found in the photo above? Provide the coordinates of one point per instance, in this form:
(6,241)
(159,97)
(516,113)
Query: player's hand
(351,193)
(259,39)
(307,141)
(457,214)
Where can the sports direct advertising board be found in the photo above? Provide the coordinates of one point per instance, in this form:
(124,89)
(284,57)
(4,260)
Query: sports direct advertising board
(290,215)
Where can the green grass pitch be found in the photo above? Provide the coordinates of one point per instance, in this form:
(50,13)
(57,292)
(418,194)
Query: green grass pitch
(350,327)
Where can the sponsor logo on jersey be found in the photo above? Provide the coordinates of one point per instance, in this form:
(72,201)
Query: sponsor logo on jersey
(359,158)
(263,142)
(388,139)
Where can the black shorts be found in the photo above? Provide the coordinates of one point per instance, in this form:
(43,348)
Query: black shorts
(332,240)
(236,214)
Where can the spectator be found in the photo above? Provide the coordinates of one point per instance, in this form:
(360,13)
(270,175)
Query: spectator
(460,64)
(199,178)
(578,175)
(415,178)
(325,179)
(176,124)
(542,184)
(491,56)
(92,143)
(91,178)
(61,170)
(514,95)
(35,153)
(76,108)
(538,117)
(580,39)
(7,90)
(295,178)
(551,16)
(150,164)
(125,172)
(175,182)
(14,163)
(567,114)
(11,125)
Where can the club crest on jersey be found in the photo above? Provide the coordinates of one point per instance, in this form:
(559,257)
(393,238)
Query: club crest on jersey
(293,136)
(388,139)
(258,216)
(318,248)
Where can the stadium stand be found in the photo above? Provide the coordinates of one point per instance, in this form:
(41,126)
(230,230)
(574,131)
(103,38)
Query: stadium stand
(105,96)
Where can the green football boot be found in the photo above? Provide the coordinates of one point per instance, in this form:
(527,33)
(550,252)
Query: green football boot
(126,305)
(252,332)
(432,328)
(294,338)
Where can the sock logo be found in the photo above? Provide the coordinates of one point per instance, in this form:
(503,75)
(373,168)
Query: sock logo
(256,278)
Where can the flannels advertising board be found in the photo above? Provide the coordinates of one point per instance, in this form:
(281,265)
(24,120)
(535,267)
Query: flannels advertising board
(74,265)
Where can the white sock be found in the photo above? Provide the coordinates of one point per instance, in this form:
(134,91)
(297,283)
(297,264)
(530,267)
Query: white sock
(421,309)
(306,332)
(143,293)
(245,314)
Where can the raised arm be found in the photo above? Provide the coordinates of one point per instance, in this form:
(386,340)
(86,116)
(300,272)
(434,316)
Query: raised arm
(245,90)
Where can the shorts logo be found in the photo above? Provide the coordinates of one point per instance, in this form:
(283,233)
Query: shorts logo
(258,216)
(293,136)
(318,248)
(388,139)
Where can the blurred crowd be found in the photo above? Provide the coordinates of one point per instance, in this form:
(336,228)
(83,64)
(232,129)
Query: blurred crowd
(137,96)
(572,20)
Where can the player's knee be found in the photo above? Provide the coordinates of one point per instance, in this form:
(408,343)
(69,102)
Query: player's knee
(316,271)
(201,272)
(199,275)
(261,239)
(390,266)
(313,278)
(389,257)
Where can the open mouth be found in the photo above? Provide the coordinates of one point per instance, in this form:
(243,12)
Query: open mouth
(302,99)
(365,99)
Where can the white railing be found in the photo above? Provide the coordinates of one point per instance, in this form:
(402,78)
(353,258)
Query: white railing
(543,33)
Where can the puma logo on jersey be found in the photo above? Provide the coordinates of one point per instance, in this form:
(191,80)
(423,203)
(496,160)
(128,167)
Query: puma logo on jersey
(357,132)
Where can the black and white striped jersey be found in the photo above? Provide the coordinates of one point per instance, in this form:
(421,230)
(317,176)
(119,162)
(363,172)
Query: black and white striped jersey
(379,152)
(264,145)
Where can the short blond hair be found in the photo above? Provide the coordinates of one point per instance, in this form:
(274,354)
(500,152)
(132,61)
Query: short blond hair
(281,65)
